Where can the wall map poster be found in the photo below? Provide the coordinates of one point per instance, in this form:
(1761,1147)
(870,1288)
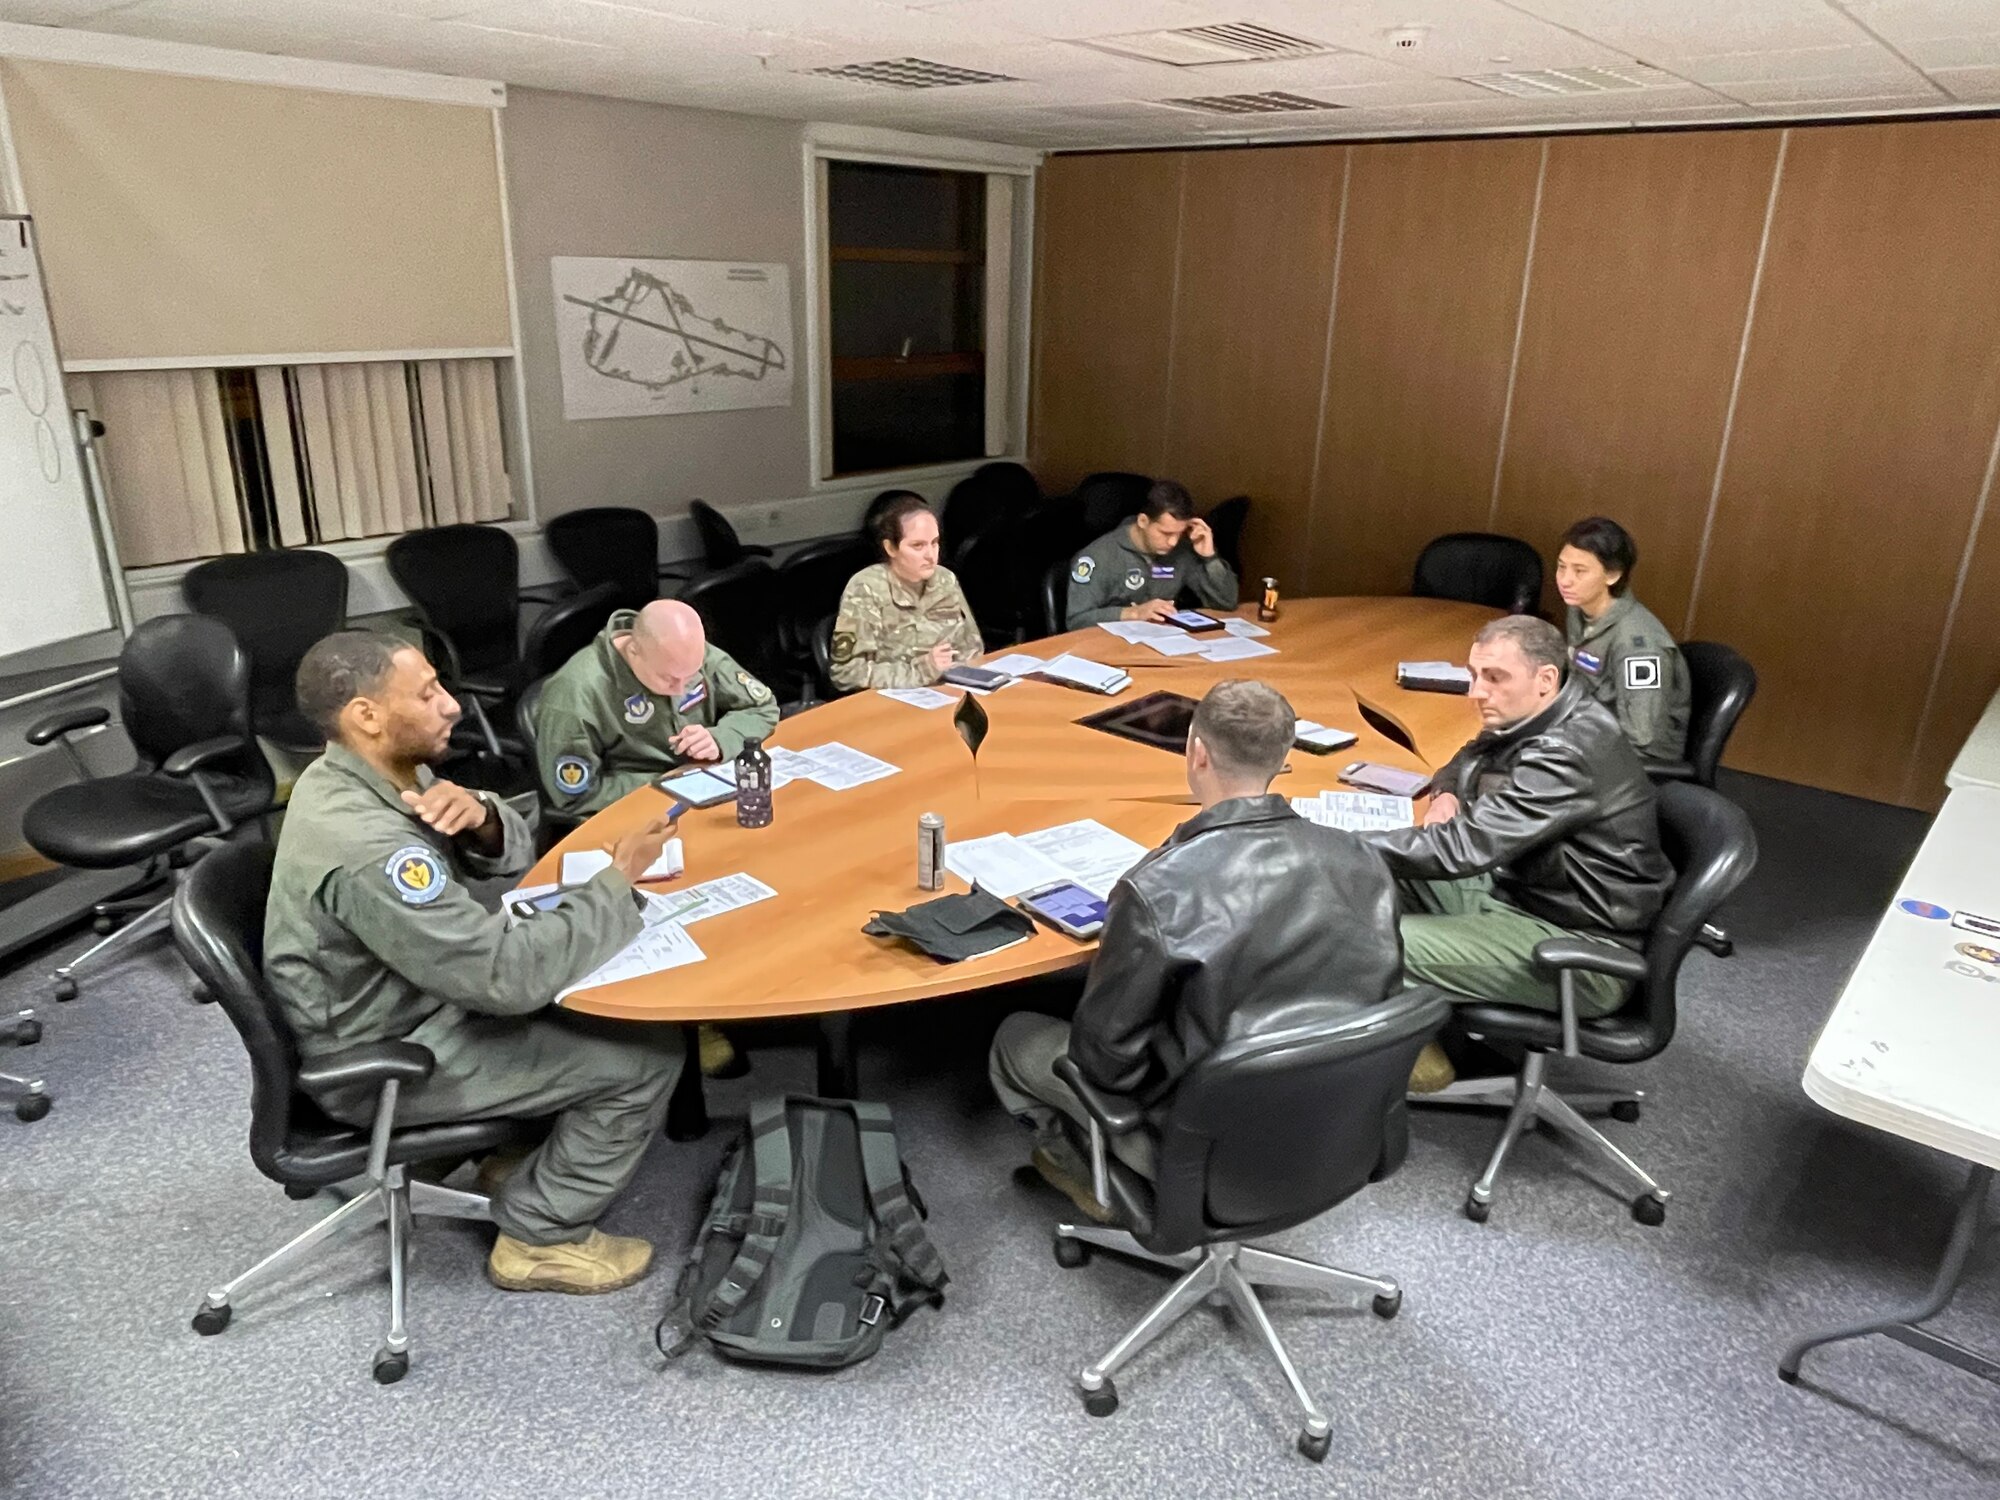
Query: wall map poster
(640,338)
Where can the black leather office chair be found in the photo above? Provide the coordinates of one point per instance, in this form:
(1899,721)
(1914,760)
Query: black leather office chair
(738,606)
(1108,498)
(720,546)
(990,493)
(565,628)
(810,581)
(1713,850)
(1478,567)
(611,544)
(184,701)
(1720,686)
(1053,613)
(218,924)
(464,583)
(1226,522)
(822,658)
(1263,1134)
(989,570)
(278,603)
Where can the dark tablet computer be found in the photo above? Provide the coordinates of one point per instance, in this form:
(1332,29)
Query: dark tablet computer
(1158,719)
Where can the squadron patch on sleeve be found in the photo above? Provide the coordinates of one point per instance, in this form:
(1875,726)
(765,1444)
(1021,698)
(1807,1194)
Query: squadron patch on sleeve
(1085,566)
(757,691)
(843,646)
(1134,581)
(573,775)
(416,874)
(1642,672)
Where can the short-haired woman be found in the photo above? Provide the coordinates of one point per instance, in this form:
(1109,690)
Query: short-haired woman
(904,620)
(1627,659)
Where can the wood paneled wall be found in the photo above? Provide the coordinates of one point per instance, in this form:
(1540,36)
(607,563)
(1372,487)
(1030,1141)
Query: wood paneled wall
(1773,354)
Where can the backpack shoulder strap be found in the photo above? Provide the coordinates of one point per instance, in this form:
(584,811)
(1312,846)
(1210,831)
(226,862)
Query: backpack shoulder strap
(882,1168)
(771,1158)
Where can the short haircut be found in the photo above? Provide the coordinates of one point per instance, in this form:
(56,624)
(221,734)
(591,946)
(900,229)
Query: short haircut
(341,667)
(1538,640)
(1247,726)
(1168,498)
(1610,543)
(890,511)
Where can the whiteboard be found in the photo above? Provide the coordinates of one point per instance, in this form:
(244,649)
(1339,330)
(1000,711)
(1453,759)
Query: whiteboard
(54,583)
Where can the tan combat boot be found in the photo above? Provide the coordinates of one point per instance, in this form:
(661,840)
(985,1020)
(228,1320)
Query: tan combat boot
(1433,1070)
(599,1262)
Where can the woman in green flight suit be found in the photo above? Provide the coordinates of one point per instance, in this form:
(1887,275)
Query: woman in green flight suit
(1627,659)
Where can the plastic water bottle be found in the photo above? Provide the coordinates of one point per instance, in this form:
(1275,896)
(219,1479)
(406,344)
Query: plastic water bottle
(753,786)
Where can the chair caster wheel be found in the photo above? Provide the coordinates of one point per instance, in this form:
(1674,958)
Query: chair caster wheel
(211,1320)
(1101,1402)
(1477,1211)
(1071,1253)
(200,994)
(1649,1210)
(1388,1305)
(31,1107)
(65,988)
(1315,1448)
(300,1194)
(102,925)
(390,1368)
(27,1033)
(1790,1377)
(1626,1110)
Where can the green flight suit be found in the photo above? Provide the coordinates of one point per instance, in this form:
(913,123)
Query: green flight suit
(885,630)
(1630,663)
(600,734)
(370,935)
(1112,573)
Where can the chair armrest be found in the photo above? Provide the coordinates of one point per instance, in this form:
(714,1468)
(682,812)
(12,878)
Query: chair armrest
(679,572)
(1117,1113)
(371,1065)
(751,549)
(1559,953)
(191,758)
(66,721)
(1670,770)
(547,593)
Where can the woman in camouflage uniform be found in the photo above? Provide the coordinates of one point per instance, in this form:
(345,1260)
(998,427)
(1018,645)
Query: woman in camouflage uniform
(904,620)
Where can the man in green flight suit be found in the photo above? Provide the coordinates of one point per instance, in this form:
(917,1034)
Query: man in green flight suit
(1137,571)
(650,693)
(369,891)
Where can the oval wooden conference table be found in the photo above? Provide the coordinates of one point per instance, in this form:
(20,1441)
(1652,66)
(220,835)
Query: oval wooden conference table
(836,858)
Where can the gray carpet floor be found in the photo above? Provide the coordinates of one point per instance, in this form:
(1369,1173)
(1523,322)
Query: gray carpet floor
(1559,1350)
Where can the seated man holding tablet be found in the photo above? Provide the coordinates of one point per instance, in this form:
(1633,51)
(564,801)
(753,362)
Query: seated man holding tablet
(1247,911)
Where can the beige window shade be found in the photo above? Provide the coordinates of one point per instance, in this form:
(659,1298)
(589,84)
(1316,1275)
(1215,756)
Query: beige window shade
(167,467)
(220,222)
(460,400)
(360,449)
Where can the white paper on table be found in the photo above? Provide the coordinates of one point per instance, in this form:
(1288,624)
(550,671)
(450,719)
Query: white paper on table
(580,865)
(1310,809)
(725,893)
(1086,673)
(1360,812)
(1235,648)
(1094,856)
(1244,628)
(839,767)
(1139,630)
(1179,645)
(1014,664)
(784,767)
(921,697)
(1002,865)
(661,946)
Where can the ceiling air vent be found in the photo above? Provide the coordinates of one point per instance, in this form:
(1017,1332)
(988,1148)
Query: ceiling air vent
(1198,46)
(1248,104)
(910,73)
(1543,82)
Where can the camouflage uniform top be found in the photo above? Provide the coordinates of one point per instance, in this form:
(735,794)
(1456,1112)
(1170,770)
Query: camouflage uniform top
(370,930)
(1112,573)
(884,632)
(1629,662)
(599,733)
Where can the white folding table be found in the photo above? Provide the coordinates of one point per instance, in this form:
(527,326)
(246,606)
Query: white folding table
(1913,1046)
(1978,759)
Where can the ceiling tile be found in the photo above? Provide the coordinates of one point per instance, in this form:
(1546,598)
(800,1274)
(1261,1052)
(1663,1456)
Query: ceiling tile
(1653,29)
(1081,18)
(1471,37)
(1972,85)
(1957,51)
(1901,22)
(1898,86)
(52,12)
(589,21)
(1866,61)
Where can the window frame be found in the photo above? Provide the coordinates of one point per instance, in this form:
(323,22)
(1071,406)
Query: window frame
(895,148)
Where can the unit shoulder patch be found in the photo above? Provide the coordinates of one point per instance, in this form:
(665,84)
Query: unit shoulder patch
(573,775)
(1642,672)
(638,708)
(416,874)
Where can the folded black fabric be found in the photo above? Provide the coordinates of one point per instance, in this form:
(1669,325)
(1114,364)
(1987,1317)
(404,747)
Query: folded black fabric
(953,928)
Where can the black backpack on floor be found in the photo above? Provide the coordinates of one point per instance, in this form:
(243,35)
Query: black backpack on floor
(813,1246)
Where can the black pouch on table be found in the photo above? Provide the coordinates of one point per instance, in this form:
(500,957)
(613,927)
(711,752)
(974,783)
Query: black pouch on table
(953,928)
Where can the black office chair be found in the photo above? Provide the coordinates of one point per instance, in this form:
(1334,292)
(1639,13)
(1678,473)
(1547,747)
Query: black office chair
(990,493)
(1226,523)
(611,544)
(989,571)
(1265,1133)
(184,701)
(464,583)
(1053,614)
(822,658)
(278,603)
(565,628)
(738,606)
(218,924)
(1103,500)
(1713,849)
(720,546)
(1478,567)
(1720,686)
(810,581)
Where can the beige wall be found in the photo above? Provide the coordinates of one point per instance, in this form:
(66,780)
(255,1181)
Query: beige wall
(1383,342)
(590,176)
